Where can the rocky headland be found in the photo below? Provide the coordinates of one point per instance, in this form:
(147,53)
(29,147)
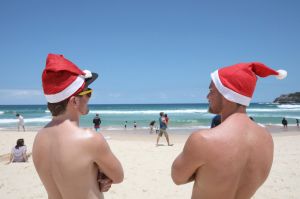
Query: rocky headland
(292,98)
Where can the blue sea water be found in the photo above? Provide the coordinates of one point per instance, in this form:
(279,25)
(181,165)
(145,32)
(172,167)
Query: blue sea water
(182,116)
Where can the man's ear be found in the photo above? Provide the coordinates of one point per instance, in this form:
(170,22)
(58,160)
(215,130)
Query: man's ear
(73,101)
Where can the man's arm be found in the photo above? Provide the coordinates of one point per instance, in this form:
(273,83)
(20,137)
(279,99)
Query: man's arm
(106,160)
(189,160)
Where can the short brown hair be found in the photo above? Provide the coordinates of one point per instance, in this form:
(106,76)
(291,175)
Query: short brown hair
(58,108)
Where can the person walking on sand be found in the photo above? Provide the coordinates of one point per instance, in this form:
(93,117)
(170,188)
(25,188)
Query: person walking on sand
(162,129)
(233,160)
(20,122)
(297,122)
(72,162)
(284,122)
(97,122)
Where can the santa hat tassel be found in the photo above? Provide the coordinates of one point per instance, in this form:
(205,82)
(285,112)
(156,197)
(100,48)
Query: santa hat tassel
(281,74)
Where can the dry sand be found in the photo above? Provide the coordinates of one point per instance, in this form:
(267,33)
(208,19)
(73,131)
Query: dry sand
(147,167)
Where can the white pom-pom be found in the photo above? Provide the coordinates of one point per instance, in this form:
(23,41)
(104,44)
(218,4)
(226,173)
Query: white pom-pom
(87,73)
(281,74)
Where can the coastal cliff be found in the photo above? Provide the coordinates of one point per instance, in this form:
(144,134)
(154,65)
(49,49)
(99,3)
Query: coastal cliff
(288,98)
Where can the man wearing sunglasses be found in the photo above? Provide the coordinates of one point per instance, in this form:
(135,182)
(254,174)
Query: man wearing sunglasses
(72,162)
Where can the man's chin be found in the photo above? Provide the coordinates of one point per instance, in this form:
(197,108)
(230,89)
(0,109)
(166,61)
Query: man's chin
(86,112)
(210,110)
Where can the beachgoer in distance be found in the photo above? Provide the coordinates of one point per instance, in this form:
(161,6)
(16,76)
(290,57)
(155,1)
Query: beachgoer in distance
(20,122)
(284,122)
(234,159)
(19,152)
(297,122)
(162,129)
(72,162)
(134,124)
(152,123)
(125,125)
(97,122)
(215,121)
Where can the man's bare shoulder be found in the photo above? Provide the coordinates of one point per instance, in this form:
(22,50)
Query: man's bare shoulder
(198,141)
(95,141)
(204,135)
(236,120)
(199,135)
(241,121)
(91,137)
(40,134)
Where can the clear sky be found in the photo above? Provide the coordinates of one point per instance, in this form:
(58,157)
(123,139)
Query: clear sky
(158,51)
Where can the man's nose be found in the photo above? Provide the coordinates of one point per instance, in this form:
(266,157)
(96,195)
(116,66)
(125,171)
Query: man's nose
(207,96)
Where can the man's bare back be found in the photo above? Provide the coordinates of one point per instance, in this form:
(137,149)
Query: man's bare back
(235,159)
(65,160)
(239,159)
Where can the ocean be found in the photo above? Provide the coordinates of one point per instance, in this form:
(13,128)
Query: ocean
(113,116)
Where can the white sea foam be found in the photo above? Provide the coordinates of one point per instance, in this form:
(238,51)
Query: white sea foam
(112,128)
(272,115)
(149,112)
(289,106)
(268,103)
(1,112)
(272,109)
(41,119)
(262,110)
(6,121)
(273,124)
(26,120)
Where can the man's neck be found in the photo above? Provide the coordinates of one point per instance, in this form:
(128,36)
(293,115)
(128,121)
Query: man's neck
(66,116)
(231,109)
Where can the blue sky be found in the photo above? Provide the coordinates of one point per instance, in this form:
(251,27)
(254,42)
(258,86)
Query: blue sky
(147,51)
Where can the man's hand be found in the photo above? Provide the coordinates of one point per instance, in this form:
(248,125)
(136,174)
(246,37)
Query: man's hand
(104,182)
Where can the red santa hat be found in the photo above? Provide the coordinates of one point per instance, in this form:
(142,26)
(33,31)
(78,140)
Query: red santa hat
(63,79)
(237,82)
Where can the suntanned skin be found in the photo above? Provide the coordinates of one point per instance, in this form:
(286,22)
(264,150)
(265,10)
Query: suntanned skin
(68,159)
(230,161)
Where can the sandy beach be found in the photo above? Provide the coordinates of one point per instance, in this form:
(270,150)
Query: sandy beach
(147,167)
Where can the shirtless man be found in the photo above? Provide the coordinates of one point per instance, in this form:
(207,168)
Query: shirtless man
(232,160)
(73,163)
